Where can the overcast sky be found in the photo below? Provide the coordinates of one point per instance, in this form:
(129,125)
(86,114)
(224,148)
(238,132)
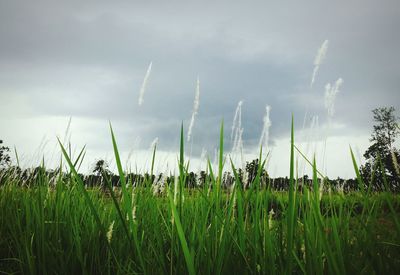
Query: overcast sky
(86,60)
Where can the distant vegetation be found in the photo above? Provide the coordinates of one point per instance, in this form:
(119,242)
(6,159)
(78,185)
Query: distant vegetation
(382,162)
(5,159)
(382,157)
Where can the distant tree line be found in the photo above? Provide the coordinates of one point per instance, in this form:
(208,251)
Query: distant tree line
(379,173)
(101,173)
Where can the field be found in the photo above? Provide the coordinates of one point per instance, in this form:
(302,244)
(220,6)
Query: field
(58,226)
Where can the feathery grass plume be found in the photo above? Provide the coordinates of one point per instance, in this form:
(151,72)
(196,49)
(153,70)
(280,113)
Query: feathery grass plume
(176,183)
(159,183)
(67,134)
(321,189)
(237,133)
(163,181)
(241,147)
(39,152)
(133,205)
(238,141)
(340,188)
(237,149)
(203,156)
(265,131)
(215,162)
(330,96)
(110,232)
(196,104)
(135,146)
(144,84)
(311,140)
(153,143)
(319,58)
(237,118)
(315,128)
(317,62)
(270,218)
(395,162)
(245,179)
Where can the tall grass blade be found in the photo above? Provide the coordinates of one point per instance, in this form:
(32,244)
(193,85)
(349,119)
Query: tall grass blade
(82,189)
(359,179)
(181,235)
(117,159)
(127,201)
(291,217)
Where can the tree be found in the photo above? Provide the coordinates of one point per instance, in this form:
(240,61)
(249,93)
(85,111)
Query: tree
(5,159)
(382,157)
(252,170)
(101,168)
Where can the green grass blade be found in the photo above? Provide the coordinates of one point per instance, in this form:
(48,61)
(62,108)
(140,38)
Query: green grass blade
(357,171)
(181,235)
(221,157)
(308,161)
(291,207)
(181,152)
(127,200)
(82,189)
(80,157)
(392,210)
(117,159)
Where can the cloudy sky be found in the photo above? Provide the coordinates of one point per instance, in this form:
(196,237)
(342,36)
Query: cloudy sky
(86,60)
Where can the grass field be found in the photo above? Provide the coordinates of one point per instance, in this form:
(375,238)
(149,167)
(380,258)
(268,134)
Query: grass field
(58,226)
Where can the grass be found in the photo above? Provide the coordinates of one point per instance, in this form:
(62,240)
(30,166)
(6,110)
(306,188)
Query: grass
(62,227)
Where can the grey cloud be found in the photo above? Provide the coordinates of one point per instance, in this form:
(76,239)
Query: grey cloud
(88,60)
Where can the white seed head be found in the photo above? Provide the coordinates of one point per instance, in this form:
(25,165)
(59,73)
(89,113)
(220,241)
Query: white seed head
(144,84)
(196,104)
(330,96)
(176,183)
(319,59)
(395,162)
(270,218)
(110,232)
